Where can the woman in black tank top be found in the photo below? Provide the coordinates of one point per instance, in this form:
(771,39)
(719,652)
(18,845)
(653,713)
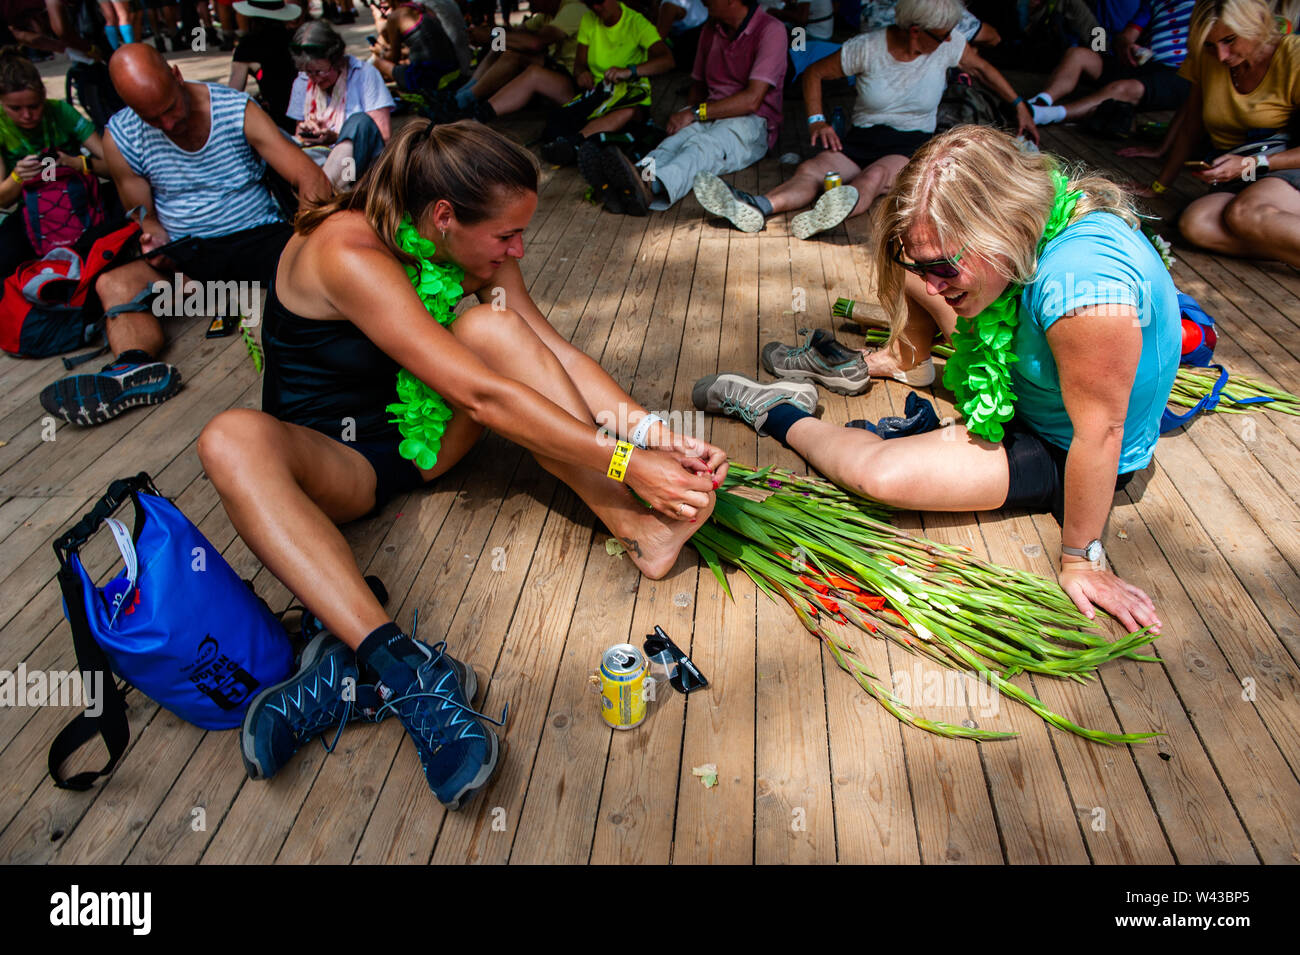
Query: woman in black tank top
(342,317)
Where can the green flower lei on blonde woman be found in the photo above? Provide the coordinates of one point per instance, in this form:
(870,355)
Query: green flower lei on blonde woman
(978,372)
(422,413)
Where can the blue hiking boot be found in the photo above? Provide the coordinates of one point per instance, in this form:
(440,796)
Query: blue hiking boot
(96,398)
(460,754)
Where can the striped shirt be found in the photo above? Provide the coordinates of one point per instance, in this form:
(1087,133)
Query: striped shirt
(1166,23)
(213,191)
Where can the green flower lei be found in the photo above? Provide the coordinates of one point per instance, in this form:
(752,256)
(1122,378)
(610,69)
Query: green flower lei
(422,413)
(978,372)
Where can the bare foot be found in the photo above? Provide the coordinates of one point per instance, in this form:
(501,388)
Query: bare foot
(653,541)
(886,363)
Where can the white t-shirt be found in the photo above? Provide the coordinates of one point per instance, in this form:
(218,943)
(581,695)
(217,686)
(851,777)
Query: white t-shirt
(696,13)
(366,91)
(890,93)
(821,16)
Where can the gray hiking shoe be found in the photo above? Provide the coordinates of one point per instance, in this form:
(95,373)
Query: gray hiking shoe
(821,360)
(830,209)
(729,203)
(739,397)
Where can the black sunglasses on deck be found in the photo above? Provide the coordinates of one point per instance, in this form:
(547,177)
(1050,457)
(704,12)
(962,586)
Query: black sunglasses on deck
(685,676)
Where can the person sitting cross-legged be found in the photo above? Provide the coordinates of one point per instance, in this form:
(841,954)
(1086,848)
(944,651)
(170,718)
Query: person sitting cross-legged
(194,156)
(901,73)
(734,120)
(618,51)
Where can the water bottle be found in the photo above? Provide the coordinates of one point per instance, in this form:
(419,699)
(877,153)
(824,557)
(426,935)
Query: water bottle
(837,121)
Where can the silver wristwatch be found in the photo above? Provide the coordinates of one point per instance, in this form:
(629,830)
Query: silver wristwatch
(1092,553)
(1261,163)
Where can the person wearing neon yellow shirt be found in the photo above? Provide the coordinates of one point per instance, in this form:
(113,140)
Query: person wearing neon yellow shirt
(618,51)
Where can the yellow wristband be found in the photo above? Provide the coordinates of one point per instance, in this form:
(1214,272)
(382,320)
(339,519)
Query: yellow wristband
(1158,187)
(15,177)
(618,463)
(702,111)
(85,164)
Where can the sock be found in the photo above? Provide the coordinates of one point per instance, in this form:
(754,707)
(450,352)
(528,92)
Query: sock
(657,188)
(484,111)
(465,95)
(389,656)
(1048,114)
(128,32)
(781,419)
(135,356)
(762,204)
(114,38)
(1041,99)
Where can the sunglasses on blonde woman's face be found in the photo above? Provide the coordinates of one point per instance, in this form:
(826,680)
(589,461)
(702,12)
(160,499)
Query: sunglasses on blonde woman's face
(944,269)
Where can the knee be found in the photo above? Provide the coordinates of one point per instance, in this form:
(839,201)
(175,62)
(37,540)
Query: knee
(122,285)
(231,440)
(1127,91)
(885,480)
(1242,216)
(1199,227)
(490,328)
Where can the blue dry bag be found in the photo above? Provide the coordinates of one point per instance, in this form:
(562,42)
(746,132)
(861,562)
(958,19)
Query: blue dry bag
(176,622)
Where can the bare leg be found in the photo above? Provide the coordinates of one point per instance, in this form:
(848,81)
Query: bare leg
(803,188)
(535,80)
(945,470)
(1127,91)
(926,314)
(610,122)
(1265,218)
(1078,62)
(509,346)
(498,69)
(876,180)
(130,329)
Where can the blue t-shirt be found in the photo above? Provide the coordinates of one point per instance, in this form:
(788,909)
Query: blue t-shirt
(1098,260)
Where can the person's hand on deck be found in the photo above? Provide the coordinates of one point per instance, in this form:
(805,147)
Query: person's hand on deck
(1025,123)
(823,134)
(680,120)
(1091,587)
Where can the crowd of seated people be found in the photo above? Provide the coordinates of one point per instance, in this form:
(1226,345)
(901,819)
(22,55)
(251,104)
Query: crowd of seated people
(1229,68)
(399,172)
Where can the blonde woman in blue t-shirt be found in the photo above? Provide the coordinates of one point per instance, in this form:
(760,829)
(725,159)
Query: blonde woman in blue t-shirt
(1085,321)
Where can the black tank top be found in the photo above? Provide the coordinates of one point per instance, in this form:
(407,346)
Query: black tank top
(317,374)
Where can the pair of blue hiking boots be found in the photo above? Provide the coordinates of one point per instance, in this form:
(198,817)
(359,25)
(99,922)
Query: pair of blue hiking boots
(433,701)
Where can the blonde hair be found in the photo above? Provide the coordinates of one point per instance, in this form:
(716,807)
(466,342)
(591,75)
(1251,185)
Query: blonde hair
(1251,19)
(979,190)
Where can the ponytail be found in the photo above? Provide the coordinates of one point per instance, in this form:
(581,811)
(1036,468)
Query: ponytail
(464,163)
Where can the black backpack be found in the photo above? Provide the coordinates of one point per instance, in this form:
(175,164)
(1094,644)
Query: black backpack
(94,92)
(965,104)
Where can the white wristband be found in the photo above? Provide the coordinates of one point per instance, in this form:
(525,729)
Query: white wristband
(643,428)
(816,118)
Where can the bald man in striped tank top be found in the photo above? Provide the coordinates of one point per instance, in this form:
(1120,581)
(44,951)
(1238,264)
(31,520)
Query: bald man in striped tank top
(194,156)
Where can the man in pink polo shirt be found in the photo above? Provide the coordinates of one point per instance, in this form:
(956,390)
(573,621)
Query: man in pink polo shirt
(733,119)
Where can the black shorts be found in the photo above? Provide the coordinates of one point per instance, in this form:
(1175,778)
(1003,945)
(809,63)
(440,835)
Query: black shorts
(394,474)
(1162,87)
(866,144)
(1038,472)
(250,255)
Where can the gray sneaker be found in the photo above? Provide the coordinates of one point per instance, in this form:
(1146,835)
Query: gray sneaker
(739,397)
(830,209)
(821,360)
(729,203)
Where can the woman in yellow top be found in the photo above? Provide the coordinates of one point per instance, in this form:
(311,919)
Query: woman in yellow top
(1245,89)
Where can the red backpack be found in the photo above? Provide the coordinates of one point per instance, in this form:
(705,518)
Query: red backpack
(46,307)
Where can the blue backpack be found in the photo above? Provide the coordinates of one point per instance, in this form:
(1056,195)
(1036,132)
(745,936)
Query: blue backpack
(176,622)
(1199,339)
